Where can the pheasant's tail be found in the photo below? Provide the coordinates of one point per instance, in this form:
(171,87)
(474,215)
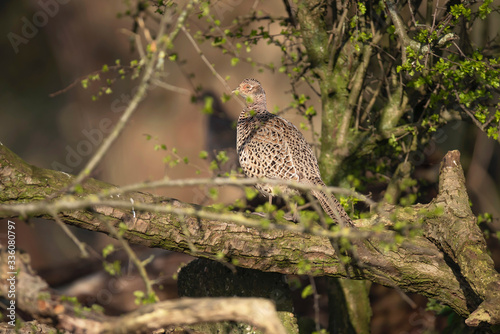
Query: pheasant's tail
(333,208)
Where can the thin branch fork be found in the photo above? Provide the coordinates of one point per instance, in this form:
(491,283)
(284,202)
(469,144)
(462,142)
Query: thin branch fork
(426,264)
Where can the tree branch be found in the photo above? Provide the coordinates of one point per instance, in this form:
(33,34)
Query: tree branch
(405,40)
(35,298)
(440,263)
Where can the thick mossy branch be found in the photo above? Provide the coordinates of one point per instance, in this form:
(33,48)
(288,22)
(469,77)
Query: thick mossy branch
(447,262)
(460,238)
(310,14)
(336,58)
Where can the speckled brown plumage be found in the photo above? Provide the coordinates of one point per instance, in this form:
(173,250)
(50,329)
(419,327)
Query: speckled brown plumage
(269,146)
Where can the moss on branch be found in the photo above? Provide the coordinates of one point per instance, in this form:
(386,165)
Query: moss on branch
(442,262)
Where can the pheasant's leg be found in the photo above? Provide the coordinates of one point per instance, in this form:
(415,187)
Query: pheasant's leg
(293,215)
(295,212)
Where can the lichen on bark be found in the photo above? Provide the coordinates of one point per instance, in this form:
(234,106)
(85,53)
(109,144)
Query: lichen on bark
(447,260)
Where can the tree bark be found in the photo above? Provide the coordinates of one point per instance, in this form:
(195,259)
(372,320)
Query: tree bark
(35,298)
(447,260)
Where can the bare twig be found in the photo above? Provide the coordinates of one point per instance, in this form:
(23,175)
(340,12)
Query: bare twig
(312,282)
(209,65)
(337,32)
(468,112)
(147,33)
(291,16)
(138,42)
(79,80)
(222,181)
(358,78)
(66,204)
(81,246)
(140,265)
(172,88)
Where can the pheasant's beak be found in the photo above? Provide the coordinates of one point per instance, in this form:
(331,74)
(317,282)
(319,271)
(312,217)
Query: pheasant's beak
(236,91)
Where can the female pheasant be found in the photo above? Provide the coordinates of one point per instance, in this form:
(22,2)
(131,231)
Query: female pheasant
(269,146)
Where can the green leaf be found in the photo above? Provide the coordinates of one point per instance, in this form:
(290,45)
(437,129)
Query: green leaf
(159,147)
(493,132)
(308,291)
(213,165)
(311,111)
(484,9)
(114,269)
(361,8)
(354,21)
(460,10)
(122,228)
(225,97)
(203,155)
(235,61)
(222,157)
(208,106)
(213,193)
(108,250)
(251,193)
(78,189)
(139,296)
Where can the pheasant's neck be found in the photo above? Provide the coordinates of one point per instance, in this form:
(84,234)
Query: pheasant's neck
(258,105)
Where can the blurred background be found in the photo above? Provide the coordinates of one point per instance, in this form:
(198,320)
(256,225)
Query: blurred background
(77,38)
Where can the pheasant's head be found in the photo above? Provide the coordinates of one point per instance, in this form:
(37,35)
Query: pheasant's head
(251,90)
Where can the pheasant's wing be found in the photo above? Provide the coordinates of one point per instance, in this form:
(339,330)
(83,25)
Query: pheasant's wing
(265,151)
(302,155)
(275,148)
(308,171)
